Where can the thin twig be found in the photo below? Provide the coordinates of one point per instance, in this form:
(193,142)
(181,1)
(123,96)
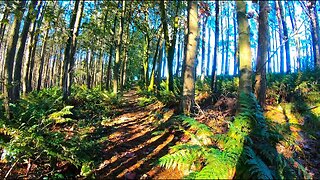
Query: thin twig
(14,164)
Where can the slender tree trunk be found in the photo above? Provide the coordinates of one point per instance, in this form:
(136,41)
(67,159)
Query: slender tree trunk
(88,61)
(146,60)
(315,32)
(9,62)
(42,56)
(262,57)
(245,67)
(152,78)
(216,45)
(188,81)
(203,52)
(118,48)
(235,54)
(69,50)
(108,83)
(277,4)
(209,50)
(226,70)
(18,62)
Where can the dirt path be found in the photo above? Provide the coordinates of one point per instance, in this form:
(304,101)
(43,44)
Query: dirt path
(138,140)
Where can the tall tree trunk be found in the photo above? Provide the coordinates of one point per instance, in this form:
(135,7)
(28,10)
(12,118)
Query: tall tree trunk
(291,10)
(262,57)
(118,48)
(88,61)
(315,32)
(33,51)
(209,50)
(277,4)
(75,34)
(70,47)
(188,81)
(11,51)
(112,43)
(18,65)
(146,60)
(285,37)
(226,70)
(245,67)
(235,44)
(170,45)
(42,56)
(203,49)
(215,53)
(155,57)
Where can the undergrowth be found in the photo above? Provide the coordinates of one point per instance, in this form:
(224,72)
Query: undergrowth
(45,130)
(247,150)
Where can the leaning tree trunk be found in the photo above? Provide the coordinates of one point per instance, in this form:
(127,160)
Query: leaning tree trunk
(262,57)
(315,33)
(188,81)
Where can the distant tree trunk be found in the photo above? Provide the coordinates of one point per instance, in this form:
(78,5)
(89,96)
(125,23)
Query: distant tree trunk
(88,61)
(145,63)
(216,45)
(226,70)
(222,42)
(203,49)
(118,48)
(209,51)
(291,10)
(108,82)
(277,4)
(18,63)
(235,44)
(33,51)
(159,65)
(262,57)
(42,56)
(285,37)
(170,45)
(11,51)
(188,81)
(245,67)
(315,32)
(155,57)
(68,58)
(75,34)
(178,57)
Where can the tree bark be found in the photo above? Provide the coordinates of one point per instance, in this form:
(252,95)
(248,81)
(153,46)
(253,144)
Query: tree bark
(215,53)
(262,57)
(315,32)
(42,56)
(19,58)
(245,67)
(188,81)
(11,51)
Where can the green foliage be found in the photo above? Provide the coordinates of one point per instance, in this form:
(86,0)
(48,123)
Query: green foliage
(44,128)
(246,151)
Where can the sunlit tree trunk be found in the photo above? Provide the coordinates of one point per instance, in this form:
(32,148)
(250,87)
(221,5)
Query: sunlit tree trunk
(216,45)
(209,51)
(146,47)
(11,51)
(188,81)
(226,70)
(117,62)
(245,67)
(69,50)
(235,44)
(285,37)
(262,56)
(155,57)
(20,54)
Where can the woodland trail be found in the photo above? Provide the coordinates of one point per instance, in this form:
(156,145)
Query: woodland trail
(138,139)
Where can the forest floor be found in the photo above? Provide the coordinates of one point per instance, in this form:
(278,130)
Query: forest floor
(137,135)
(138,141)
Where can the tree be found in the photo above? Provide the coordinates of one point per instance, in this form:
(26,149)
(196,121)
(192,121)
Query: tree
(19,58)
(262,56)
(71,44)
(10,57)
(215,51)
(188,81)
(315,31)
(245,67)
